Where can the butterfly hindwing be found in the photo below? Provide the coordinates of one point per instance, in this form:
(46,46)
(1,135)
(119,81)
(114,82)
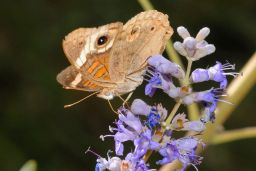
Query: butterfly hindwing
(71,78)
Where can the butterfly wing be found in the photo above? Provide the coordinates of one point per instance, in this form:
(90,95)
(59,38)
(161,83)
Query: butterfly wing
(71,78)
(88,50)
(142,36)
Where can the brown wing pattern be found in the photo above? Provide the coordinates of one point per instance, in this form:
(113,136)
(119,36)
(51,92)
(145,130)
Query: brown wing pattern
(74,43)
(91,58)
(71,78)
(142,36)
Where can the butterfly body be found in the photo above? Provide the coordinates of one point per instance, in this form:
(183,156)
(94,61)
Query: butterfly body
(112,58)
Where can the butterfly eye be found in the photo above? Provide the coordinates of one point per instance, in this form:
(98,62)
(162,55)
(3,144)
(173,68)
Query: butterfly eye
(102,40)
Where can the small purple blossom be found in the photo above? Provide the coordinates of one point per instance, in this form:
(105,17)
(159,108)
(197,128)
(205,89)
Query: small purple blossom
(153,113)
(144,143)
(117,164)
(182,149)
(128,128)
(194,48)
(208,96)
(180,122)
(153,120)
(161,81)
(165,66)
(154,82)
(113,164)
(139,107)
(208,113)
(135,164)
(216,73)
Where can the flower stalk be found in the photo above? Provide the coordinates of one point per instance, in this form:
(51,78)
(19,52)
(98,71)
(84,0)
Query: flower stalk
(233,135)
(173,112)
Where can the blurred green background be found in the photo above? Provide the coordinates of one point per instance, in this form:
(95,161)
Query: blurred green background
(33,122)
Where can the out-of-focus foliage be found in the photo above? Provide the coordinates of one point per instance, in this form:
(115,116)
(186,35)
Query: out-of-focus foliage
(33,123)
(30,165)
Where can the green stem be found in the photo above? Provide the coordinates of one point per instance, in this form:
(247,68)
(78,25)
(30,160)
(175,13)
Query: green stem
(175,165)
(177,105)
(146,5)
(186,80)
(233,135)
(174,110)
(193,111)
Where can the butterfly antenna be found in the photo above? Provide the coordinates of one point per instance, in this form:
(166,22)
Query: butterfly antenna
(111,107)
(72,104)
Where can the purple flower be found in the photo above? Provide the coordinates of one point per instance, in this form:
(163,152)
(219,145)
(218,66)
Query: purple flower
(164,82)
(144,143)
(153,120)
(154,114)
(178,92)
(183,149)
(196,126)
(208,113)
(210,96)
(135,164)
(161,73)
(170,153)
(128,128)
(165,66)
(154,82)
(216,73)
(116,164)
(194,48)
(139,107)
(113,164)
(180,122)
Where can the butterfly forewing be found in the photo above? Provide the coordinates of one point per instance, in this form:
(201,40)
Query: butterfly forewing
(143,36)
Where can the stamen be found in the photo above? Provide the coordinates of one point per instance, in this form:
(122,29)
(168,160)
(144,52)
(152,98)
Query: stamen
(102,137)
(109,151)
(228,66)
(194,166)
(111,129)
(146,79)
(224,101)
(89,150)
(234,74)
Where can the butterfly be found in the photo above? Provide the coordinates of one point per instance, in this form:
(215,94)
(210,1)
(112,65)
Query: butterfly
(112,59)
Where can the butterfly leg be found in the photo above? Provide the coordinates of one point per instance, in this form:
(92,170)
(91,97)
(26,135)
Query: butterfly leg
(111,107)
(127,99)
